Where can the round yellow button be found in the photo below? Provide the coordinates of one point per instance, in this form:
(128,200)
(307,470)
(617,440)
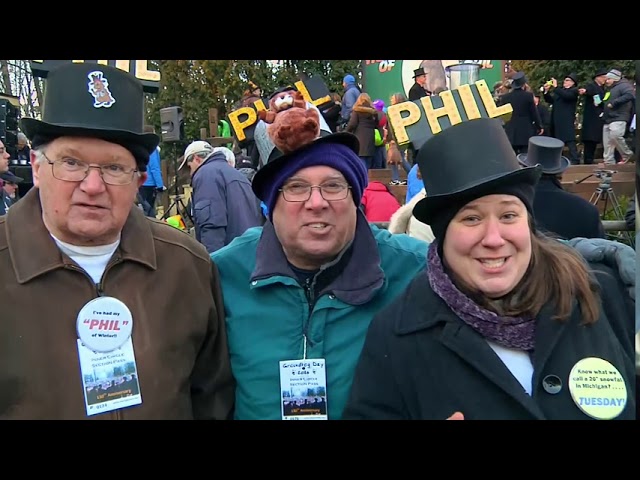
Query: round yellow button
(598,388)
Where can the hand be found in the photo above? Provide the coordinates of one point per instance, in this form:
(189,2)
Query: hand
(541,132)
(161,189)
(554,82)
(582,91)
(616,255)
(609,105)
(456,416)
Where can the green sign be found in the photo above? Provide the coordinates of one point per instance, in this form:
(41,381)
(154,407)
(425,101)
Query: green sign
(383,78)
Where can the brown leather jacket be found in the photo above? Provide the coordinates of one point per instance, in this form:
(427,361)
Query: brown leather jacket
(167,280)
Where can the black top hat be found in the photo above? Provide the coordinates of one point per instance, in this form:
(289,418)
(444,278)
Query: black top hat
(10,177)
(465,161)
(601,71)
(277,159)
(573,77)
(419,71)
(287,88)
(93,100)
(518,80)
(546,152)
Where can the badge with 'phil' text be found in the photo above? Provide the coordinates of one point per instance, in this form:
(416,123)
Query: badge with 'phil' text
(597,388)
(104,324)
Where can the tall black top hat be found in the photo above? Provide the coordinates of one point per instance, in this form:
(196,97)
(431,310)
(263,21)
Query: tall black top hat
(518,80)
(547,152)
(419,71)
(92,100)
(466,161)
(573,77)
(601,71)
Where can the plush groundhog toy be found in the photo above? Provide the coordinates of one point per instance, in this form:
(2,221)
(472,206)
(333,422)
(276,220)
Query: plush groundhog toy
(281,102)
(294,126)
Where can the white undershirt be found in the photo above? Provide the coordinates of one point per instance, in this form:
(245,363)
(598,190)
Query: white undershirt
(518,362)
(93,260)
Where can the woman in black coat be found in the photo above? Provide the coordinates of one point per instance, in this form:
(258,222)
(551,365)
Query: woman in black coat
(504,323)
(592,123)
(563,103)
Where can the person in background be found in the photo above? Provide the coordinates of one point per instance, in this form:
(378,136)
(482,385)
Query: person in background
(331,111)
(503,321)
(349,98)
(4,168)
(396,155)
(558,212)
(125,294)
(378,203)
(592,124)
(154,183)
(403,220)
(543,111)
(10,187)
(363,123)
(564,101)
(224,206)
(23,151)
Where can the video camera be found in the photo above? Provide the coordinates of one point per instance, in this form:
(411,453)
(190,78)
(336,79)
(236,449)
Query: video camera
(602,173)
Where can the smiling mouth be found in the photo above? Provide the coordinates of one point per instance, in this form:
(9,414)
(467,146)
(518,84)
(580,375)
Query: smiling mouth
(493,263)
(317,226)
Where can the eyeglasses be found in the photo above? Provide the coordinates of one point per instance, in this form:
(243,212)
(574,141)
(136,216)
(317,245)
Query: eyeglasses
(301,192)
(72,170)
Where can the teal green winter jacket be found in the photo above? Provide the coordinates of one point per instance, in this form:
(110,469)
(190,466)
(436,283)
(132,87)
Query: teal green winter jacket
(268,311)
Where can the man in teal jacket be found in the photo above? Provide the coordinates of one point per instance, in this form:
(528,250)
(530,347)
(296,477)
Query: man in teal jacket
(303,288)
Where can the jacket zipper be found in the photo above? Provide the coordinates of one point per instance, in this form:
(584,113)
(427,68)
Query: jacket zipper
(115,414)
(310,294)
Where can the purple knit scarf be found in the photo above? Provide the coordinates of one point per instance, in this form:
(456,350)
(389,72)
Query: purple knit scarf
(510,332)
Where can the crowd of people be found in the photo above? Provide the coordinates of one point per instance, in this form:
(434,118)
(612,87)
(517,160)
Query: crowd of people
(490,316)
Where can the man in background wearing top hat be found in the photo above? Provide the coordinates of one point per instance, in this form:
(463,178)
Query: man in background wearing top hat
(564,101)
(557,211)
(9,190)
(525,120)
(93,289)
(418,89)
(591,135)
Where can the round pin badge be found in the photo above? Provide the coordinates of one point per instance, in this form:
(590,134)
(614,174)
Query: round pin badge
(104,324)
(598,388)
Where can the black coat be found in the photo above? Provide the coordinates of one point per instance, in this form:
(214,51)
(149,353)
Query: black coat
(525,120)
(416,92)
(564,213)
(545,118)
(420,361)
(563,103)
(591,118)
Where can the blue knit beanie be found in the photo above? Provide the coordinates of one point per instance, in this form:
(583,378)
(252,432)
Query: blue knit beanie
(349,79)
(333,155)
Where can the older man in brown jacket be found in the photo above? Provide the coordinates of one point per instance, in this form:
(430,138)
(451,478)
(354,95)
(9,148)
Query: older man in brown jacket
(106,314)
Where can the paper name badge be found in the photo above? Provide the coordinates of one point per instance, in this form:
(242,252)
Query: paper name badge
(417,121)
(598,388)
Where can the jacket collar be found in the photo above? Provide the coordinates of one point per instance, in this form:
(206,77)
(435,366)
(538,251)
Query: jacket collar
(33,251)
(361,278)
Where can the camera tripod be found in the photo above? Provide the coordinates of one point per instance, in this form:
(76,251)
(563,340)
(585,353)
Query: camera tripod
(604,193)
(178,202)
